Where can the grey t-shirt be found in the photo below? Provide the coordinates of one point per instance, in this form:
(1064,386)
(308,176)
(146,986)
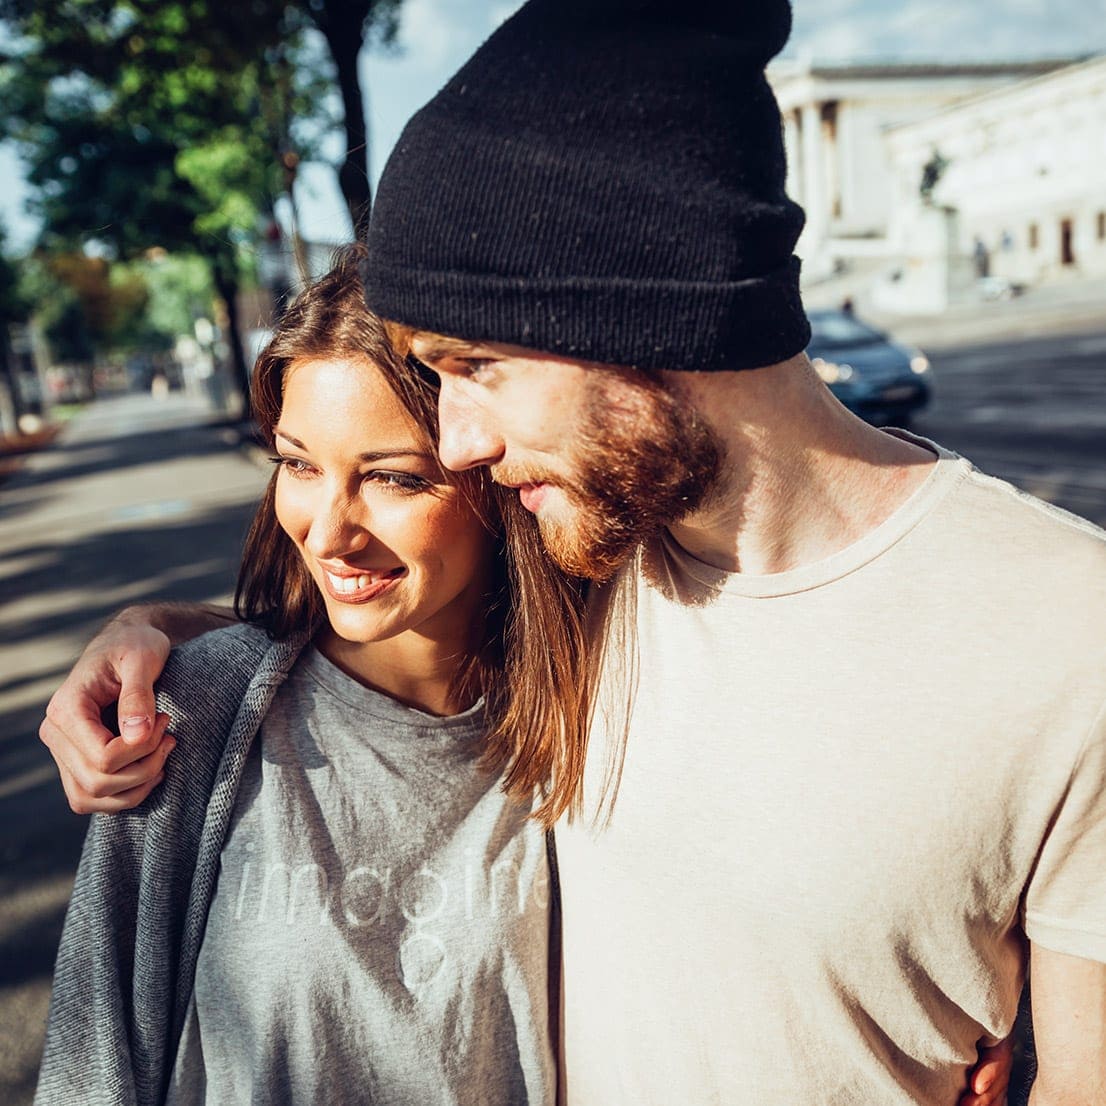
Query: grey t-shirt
(380,929)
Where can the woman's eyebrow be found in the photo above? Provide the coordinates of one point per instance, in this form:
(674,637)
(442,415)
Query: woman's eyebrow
(385,454)
(368,455)
(289,439)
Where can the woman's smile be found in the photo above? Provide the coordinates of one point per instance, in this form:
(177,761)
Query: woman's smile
(360,585)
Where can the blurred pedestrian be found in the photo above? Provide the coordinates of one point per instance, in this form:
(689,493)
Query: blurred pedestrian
(981,258)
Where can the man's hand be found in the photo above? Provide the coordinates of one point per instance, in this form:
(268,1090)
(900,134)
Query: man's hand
(102,771)
(989,1079)
(99,770)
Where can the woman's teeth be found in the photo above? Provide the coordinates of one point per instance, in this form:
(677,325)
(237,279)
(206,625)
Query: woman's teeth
(347,585)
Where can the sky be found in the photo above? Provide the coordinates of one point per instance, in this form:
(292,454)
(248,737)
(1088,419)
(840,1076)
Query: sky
(436,36)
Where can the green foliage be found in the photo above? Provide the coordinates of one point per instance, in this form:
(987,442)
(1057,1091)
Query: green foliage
(66,330)
(174,124)
(89,307)
(180,292)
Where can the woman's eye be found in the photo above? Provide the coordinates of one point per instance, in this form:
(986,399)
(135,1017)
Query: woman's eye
(292,465)
(400,481)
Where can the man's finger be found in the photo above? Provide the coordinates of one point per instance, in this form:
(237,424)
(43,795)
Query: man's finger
(120,755)
(995,1096)
(126,800)
(989,1079)
(989,1074)
(991,1093)
(136,698)
(87,755)
(993,1066)
(94,787)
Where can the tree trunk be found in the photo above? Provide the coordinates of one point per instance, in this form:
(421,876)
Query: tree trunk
(345,39)
(8,379)
(226,284)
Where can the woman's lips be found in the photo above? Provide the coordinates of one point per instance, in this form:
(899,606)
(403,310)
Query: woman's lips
(348,587)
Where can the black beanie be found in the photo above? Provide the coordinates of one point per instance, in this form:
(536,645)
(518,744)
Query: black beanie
(603,179)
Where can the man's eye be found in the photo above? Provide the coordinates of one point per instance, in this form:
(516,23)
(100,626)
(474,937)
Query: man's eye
(469,368)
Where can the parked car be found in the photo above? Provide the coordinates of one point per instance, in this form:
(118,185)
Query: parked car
(876,378)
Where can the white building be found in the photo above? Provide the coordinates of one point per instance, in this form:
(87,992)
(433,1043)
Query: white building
(1025,175)
(835,117)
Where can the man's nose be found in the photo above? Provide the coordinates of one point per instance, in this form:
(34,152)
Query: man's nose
(466,434)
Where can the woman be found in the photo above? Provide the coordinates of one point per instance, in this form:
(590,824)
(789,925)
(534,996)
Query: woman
(331,898)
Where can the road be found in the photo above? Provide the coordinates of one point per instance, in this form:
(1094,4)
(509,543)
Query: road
(1032,411)
(142,500)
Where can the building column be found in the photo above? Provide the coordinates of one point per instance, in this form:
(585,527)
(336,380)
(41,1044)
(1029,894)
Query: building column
(814,193)
(793,152)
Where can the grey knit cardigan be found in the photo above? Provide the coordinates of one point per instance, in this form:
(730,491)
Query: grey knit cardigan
(127,960)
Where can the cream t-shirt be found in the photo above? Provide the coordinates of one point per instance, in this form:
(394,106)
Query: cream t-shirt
(849,793)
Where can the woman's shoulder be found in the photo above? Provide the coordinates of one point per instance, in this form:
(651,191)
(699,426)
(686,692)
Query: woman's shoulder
(219,666)
(240,641)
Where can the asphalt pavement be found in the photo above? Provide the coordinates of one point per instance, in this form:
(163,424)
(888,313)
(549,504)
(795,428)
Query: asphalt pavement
(140,499)
(1031,410)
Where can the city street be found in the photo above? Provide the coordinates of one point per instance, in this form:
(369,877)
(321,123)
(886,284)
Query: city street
(1031,410)
(144,499)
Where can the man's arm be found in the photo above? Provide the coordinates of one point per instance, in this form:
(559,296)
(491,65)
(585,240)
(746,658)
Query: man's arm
(102,771)
(1069,1029)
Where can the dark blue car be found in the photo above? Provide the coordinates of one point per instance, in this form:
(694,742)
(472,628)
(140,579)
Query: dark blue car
(876,378)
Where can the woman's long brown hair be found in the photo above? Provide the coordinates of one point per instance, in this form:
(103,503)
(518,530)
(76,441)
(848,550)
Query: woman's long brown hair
(531,664)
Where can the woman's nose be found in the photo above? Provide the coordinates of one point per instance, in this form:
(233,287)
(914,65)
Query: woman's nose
(339,527)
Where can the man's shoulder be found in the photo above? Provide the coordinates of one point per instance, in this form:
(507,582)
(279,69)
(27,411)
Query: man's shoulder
(1019,562)
(1028,528)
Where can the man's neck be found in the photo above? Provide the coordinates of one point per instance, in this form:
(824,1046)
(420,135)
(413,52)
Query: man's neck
(802,478)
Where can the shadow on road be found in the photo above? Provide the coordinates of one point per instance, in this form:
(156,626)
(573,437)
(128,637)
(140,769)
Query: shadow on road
(187,561)
(66,461)
(53,595)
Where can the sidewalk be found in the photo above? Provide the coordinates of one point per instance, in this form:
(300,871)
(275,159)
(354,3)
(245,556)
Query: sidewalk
(138,499)
(1060,308)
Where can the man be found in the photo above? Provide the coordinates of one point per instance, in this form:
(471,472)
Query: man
(866,754)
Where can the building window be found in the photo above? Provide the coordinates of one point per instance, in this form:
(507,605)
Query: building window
(1102,226)
(1033,236)
(1067,242)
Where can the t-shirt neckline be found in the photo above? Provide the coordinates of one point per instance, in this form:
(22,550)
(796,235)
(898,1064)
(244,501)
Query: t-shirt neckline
(946,474)
(324,672)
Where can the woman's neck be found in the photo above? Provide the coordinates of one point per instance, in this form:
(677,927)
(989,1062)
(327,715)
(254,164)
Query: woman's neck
(413,670)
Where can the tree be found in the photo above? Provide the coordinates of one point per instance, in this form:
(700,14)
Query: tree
(345,26)
(13,309)
(176,124)
(161,125)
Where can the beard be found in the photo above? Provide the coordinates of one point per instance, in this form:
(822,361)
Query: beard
(641,461)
